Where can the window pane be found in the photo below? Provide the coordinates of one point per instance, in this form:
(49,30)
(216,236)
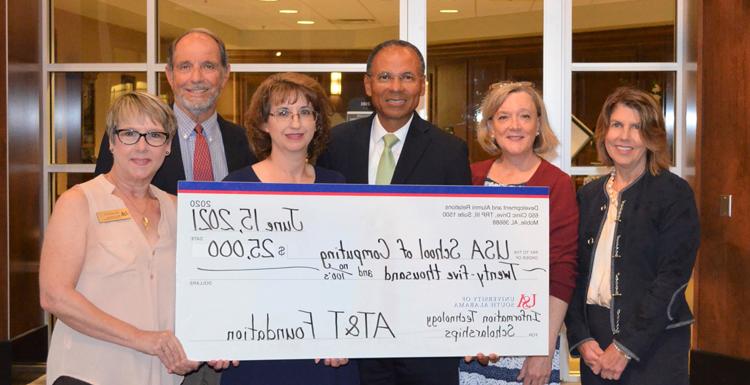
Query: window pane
(590,89)
(257,32)
(63,181)
(624,30)
(235,98)
(80,101)
(473,47)
(98,31)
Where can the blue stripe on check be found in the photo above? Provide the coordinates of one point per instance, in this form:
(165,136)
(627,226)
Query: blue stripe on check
(361,188)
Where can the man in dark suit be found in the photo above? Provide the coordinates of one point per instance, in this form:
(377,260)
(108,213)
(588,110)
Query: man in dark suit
(395,146)
(197,70)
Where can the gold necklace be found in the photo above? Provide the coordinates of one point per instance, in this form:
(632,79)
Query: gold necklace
(124,196)
(144,218)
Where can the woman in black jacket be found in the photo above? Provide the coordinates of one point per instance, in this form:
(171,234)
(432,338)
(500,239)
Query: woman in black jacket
(638,238)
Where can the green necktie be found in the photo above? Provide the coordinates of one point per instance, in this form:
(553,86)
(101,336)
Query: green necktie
(387,163)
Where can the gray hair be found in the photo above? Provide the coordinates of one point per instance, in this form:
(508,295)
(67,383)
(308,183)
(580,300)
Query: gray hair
(204,31)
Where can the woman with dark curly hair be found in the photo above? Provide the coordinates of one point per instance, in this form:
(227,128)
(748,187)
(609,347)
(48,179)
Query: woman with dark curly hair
(288,125)
(638,237)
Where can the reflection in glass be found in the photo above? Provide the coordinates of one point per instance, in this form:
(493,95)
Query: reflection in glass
(624,31)
(257,32)
(80,101)
(63,181)
(468,50)
(590,89)
(98,31)
(235,98)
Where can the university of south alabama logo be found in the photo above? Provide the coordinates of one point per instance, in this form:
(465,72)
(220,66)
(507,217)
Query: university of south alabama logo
(527,301)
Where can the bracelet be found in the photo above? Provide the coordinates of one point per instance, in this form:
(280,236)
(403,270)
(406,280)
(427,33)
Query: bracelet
(627,356)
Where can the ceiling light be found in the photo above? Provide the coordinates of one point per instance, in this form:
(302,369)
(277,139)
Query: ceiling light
(305,22)
(448,11)
(335,83)
(288,11)
(278,53)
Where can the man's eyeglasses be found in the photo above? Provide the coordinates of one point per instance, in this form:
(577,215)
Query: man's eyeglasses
(387,77)
(153,138)
(305,115)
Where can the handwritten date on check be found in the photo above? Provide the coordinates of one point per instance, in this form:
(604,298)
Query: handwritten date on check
(276,271)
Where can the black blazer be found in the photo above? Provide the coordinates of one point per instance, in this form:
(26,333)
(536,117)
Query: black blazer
(656,241)
(236,149)
(429,155)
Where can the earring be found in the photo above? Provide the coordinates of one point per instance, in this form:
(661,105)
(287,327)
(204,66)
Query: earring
(538,132)
(168,152)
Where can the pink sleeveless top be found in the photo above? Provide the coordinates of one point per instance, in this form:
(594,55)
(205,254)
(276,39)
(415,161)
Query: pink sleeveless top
(127,278)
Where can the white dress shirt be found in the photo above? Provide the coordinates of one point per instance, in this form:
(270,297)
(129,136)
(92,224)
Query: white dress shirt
(377,145)
(600,284)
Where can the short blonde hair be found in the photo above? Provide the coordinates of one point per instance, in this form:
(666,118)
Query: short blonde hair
(136,104)
(653,131)
(495,97)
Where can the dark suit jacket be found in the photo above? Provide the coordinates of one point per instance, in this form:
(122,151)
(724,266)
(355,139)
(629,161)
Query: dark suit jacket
(429,155)
(236,149)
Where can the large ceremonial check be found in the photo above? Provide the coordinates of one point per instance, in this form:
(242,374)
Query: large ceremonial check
(280,271)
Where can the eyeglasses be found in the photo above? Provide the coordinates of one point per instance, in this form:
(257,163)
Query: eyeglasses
(305,115)
(387,77)
(153,138)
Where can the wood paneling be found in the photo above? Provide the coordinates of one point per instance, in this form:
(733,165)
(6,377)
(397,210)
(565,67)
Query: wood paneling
(488,61)
(648,44)
(449,108)
(24,165)
(5,347)
(722,292)
(3,186)
(298,56)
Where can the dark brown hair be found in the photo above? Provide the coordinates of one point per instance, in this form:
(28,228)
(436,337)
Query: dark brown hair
(281,87)
(653,132)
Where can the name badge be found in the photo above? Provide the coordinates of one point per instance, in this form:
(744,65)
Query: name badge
(112,215)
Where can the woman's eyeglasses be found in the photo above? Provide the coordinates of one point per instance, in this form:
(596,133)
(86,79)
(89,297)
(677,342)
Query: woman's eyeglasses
(153,138)
(305,115)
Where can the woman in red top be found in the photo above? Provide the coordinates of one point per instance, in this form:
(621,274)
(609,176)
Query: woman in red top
(514,128)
